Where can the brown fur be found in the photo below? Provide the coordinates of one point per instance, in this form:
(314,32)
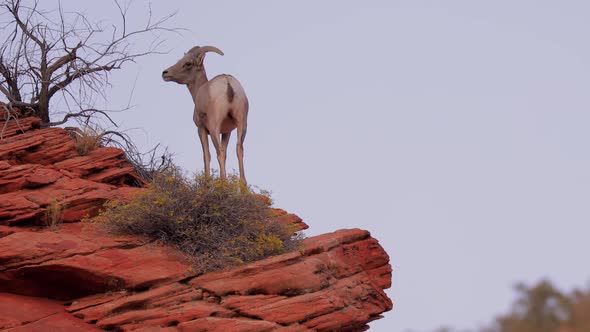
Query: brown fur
(230,93)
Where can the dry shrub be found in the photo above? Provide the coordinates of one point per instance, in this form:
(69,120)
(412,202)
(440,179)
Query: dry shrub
(86,138)
(146,164)
(217,223)
(53,215)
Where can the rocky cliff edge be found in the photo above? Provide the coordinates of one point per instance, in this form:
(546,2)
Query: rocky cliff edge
(80,278)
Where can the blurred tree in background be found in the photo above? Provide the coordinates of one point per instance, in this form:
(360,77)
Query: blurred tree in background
(543,308)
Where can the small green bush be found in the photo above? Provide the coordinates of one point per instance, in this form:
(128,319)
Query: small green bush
(218,223)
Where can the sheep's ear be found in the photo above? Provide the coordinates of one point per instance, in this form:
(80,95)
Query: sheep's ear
(199,60)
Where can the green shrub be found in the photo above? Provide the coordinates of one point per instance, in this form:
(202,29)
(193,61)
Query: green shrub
(217,223)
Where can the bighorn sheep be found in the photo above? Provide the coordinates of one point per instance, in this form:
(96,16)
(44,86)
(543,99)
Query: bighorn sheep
(221,105)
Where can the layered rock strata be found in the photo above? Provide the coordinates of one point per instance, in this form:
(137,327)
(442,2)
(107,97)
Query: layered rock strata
(78,277)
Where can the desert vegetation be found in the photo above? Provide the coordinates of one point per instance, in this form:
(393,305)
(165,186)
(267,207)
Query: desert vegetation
(53,215)
(86,139)
(146,164)
(217,223)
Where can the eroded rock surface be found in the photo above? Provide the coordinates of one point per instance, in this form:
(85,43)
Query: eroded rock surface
(81,278)
(38,166)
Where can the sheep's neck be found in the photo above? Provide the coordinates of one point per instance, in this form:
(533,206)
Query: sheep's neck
(200,79)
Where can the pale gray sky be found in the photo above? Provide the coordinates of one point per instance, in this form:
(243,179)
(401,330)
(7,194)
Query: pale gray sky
(455,131)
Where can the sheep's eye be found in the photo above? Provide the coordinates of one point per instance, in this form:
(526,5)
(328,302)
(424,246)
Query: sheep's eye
(188,64)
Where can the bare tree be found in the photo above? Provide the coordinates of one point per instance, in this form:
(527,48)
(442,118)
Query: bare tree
(60,55)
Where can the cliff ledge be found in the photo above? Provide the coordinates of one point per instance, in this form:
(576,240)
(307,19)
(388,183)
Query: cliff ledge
(80,278)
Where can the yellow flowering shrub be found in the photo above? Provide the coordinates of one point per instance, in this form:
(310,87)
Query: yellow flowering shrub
(217,223)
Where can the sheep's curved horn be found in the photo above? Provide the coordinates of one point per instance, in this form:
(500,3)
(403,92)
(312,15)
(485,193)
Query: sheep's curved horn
(204,49)
(194,50)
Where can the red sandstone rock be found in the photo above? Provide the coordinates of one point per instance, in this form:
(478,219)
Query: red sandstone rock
(289,219)
(54,148)
(211,324)
(325,290)
(107,165)
(41,166)
(79,198)
(15,127)
(126,283)
(43,146)
(21,313)
(4,114)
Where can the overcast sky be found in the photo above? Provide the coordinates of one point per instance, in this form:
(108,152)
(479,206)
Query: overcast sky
(455,131)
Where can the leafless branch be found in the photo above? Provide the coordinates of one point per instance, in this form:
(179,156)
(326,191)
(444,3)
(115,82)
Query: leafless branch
(85,114)
(46,52)
(10,114)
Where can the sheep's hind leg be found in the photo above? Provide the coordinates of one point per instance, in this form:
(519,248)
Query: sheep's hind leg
(224,142)
(220,153)
(240,150)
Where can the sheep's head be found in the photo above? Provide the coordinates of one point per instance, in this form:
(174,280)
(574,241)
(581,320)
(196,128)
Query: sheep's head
(186,69)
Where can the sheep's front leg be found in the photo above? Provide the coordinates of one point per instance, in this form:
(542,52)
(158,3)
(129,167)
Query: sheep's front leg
(206,154)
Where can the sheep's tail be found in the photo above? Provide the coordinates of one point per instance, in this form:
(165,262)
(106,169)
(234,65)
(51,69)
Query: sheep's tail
(230,93)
